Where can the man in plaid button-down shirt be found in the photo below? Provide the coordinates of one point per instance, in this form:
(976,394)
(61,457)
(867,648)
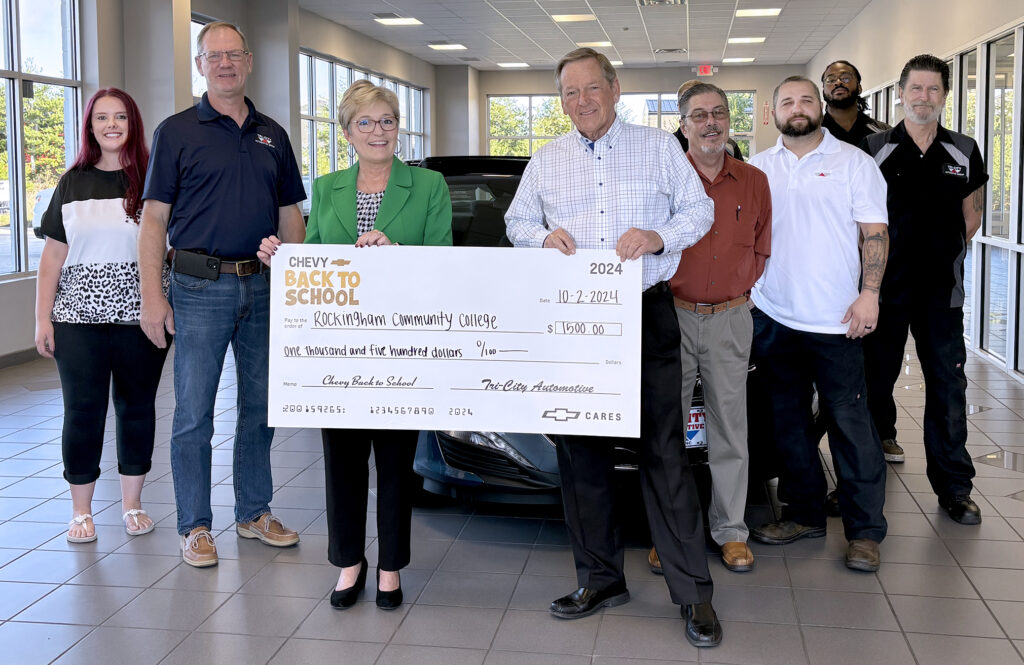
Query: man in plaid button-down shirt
(609,185)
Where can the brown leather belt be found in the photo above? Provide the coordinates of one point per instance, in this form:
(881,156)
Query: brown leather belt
(242,268)
(702,308)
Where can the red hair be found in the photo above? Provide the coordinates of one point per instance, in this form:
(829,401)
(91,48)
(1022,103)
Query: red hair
(134,155)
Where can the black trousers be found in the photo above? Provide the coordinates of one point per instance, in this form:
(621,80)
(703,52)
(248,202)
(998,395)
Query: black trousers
(939,339)
(346,470)
(91,357)
(793,362)
(670,494)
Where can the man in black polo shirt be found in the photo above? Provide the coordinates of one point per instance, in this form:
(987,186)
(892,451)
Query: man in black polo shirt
(221,177)
(845,116)
(936,192)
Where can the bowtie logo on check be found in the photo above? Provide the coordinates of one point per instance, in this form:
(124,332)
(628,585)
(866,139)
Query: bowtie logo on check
(561,415)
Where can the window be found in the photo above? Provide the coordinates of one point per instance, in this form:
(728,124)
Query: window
(322,83)
(1000,122)
(519,125)
(39,120)
(198,82)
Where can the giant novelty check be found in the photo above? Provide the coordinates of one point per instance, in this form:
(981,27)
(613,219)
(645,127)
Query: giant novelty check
(466,338)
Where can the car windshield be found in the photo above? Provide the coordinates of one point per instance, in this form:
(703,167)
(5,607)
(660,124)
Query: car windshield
(479,203)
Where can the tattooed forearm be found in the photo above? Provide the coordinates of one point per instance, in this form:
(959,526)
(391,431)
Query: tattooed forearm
(978,199)
(874,254)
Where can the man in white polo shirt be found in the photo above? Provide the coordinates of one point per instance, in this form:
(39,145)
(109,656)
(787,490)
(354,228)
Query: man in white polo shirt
(817,298)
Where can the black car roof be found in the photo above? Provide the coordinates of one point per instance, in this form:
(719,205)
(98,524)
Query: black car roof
(475,164)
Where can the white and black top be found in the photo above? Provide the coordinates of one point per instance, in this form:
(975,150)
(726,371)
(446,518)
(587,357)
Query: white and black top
(99,282)
(367,206)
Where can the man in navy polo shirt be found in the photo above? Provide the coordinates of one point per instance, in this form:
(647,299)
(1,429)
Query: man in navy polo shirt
(936,182)
(221,177)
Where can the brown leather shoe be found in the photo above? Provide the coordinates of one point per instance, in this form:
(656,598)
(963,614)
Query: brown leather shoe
(737,557)
(268,529)
(654,562)
(862,554)
(198,548)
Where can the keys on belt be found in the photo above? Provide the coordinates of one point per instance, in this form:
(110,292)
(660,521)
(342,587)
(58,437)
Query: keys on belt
(705,308)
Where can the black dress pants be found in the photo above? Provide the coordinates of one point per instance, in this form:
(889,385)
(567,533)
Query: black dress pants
(92,357)
(793,362)
(939,339)
(670,495)
(346,471)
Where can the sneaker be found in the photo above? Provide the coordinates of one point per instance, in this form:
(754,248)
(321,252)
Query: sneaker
(961,509)
(198,548)
(269,530)
(892,450)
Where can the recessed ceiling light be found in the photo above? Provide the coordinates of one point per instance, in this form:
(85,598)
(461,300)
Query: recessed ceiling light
(513,65)
(395,19)
(758,12)
(593,44)
(746,40)
(616,63)
(737,60)
(572,18)
(445,46)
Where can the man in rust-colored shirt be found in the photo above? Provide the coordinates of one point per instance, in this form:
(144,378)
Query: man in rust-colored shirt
(710,288)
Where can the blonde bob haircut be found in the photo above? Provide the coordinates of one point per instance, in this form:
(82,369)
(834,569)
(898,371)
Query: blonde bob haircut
(361,94)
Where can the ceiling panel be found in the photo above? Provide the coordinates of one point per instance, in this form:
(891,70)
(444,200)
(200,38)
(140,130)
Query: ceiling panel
(493,30)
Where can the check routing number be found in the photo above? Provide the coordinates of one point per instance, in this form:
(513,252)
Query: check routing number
(455,338)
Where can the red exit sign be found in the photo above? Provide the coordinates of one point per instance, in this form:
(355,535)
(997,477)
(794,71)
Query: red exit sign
(705,70)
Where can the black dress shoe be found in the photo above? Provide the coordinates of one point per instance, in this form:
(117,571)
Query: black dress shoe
(784,532)
(583,601)
(388,600)
(346,598)
(702,627)
(961,509)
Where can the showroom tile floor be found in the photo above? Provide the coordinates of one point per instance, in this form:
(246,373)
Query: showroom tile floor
(482,577)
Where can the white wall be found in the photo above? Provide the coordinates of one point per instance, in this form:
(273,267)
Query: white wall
(661,79)
(886,34)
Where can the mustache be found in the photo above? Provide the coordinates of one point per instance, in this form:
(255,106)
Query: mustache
(712,129)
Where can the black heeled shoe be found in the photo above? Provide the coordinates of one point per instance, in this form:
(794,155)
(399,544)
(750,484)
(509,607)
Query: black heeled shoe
(388,600)
(346,598)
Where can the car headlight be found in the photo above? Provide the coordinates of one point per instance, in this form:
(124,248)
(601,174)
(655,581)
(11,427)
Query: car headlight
(492,440)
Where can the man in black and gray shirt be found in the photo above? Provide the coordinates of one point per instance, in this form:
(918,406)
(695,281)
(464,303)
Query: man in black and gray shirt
(845,110)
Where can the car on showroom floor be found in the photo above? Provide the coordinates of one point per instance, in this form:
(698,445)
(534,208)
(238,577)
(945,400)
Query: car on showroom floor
(505,466)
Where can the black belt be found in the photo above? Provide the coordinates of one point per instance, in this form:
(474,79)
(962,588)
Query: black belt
(204,266)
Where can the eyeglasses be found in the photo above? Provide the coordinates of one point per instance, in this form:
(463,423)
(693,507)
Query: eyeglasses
(720,113)
(387,124)
(217,56)
(832,79)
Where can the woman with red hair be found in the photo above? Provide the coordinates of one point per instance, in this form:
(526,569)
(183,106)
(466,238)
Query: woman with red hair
(87,310)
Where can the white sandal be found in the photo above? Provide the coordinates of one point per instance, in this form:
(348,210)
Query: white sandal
(133,514)
(80,520)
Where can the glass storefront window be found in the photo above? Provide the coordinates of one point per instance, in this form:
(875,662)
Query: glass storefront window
(993,324)
(46,37)
(1000,117)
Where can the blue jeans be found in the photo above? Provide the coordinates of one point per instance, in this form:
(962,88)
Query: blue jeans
(208,315)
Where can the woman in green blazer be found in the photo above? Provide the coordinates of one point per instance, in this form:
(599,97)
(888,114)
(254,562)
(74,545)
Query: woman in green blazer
(378,201)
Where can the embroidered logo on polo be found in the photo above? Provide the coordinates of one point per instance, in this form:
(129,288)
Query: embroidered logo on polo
(823,174)
(264,140)
(954,170)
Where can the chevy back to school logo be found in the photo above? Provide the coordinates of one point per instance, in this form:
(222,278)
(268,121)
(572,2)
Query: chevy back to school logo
(309,281)
(954,170)
(264,140)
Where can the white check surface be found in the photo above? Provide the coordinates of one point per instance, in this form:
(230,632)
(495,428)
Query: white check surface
(465,338)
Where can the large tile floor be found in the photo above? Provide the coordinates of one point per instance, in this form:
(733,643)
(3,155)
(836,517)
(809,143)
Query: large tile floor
(481,577)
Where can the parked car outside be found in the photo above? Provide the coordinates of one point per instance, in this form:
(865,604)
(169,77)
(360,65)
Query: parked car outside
(504,466)
(42,202)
